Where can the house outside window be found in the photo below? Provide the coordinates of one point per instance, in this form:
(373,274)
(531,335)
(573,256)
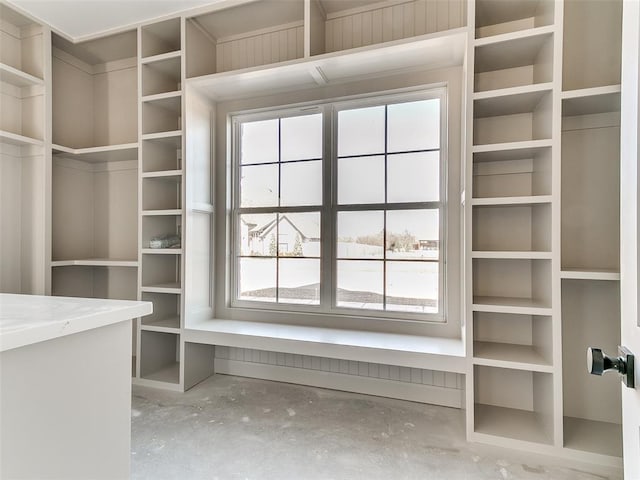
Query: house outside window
(339,208)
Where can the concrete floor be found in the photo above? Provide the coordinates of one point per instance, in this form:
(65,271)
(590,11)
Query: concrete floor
(238,428)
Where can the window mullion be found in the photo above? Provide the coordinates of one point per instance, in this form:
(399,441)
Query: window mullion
(327,242)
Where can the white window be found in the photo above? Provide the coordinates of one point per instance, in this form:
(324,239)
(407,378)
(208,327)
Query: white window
(339,208)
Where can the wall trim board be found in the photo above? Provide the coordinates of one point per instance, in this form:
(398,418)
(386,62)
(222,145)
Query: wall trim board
(447,397)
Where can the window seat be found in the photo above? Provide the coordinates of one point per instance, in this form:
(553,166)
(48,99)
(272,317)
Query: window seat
(431,353)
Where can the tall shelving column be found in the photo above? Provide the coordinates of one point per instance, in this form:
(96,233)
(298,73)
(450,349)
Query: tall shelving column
(509,204)
(590,224)
(25,155)
(160,187)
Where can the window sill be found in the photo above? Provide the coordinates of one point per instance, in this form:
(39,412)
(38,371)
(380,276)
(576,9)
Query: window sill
(432,353)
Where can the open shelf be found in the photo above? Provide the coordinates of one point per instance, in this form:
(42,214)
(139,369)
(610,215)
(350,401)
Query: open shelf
(166,310)
(159,356)
(496,17)
(523,230)
(339,26)
(514,59)
(161,270)
(95,281)
(160,225)
(590,317)
(513,117)
(18,78)
(162,193)
(514,305)
(21,56)
(95,262)
(110,153)
(173,287)
(444,49)
(496,201)
(515,404)
(161,75)
(589,101)
(19,140)
(515,341)
(247,35)
(162,113)
(590,208)
(86,112)
(161,38)
(603,438)
(511,254)
(592,44)
(585,274)
(517,171)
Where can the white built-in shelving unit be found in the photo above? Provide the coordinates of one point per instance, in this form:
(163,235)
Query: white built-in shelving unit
(542,216)
(171,141)
(95,168)
(25,132)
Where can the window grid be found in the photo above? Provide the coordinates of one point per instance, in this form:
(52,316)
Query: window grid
(331,207)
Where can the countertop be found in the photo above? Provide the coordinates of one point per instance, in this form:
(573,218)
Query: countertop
(29,319)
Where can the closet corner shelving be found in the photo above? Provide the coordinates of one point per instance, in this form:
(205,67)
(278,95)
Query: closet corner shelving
(543,210)
(25,133)
(94,168)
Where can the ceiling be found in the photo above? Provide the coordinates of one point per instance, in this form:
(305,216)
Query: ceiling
(82,19)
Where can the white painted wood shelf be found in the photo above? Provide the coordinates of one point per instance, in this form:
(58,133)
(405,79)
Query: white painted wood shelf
(523,255)
(510,355)
(173,287)
(524,306)
(590,274)
(18,78)
(161,251)
(170,212)
(162,57)
(508,101)
(169,174)
(173,137)
(522,425)
(442,49)
(602,438)
(506,201)
(95,262)
(167,325)
(19,140)
(107,153)
(509,150)
(589,101)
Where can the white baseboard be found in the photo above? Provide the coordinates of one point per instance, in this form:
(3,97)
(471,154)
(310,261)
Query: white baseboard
(448,397)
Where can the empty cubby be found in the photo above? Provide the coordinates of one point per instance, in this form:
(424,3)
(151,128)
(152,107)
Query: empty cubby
(495,18)
(590,207)
(520,172)
(161,271)
(161,76)
(592,405)
(120,283)
(166,310)
(162,192)
(525,228)
(515,404)
(525,339)
(522,61)
(160,38)
(248,35)
(513,118)
(162,154)
(592,46)
(160,356)
(338,26)
(162,115)
(512,282)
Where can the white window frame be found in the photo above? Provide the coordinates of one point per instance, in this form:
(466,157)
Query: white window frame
(330,207)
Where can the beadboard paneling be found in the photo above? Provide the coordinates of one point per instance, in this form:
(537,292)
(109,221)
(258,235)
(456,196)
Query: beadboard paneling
(262,49)
(393,23)
(346,367)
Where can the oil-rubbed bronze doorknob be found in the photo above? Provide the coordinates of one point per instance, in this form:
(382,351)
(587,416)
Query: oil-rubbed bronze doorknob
(599,363)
